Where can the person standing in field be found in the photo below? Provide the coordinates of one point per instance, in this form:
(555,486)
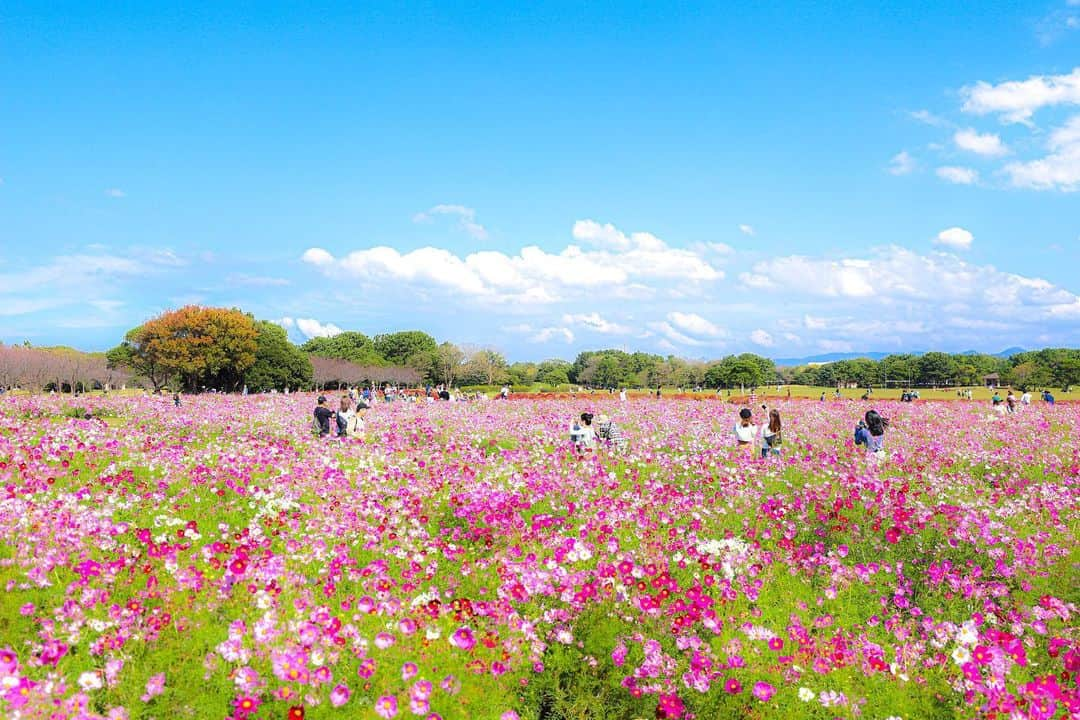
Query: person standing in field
(772,436)
(1025,399)
(745,430)
(622,395)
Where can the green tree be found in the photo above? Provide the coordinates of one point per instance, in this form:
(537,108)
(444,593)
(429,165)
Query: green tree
(935,368)
(356,347)
(450,362)
(553,372)
(523,373)
(278,363)
(398,347)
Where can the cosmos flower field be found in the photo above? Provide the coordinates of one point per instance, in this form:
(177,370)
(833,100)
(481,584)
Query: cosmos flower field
(463,561)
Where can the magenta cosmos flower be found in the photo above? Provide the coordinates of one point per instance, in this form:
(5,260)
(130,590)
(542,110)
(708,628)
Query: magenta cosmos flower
(763,691)
(386,706)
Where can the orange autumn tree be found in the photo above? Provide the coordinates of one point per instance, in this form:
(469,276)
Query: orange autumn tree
(201,347)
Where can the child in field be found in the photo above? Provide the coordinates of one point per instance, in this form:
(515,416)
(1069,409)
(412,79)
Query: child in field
(871,433)
(609,432)
(322,417)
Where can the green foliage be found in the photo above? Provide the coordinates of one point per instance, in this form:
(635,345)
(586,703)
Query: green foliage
(278,363)
(356,347)
(397,348)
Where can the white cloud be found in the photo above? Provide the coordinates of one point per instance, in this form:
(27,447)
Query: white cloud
(674,336)
(988,144)
(312,328)
(694,324)
(902,163)
(115,193)
(1060,169)
(928,118)
(549,333)
(286,322)
(954,237)
(958,175)
(1016,101)
(747,229)
(760,337)
(255,280)
(754,281)
(466,218)
(814,323)
(593,321)
(625,266)
(895,277)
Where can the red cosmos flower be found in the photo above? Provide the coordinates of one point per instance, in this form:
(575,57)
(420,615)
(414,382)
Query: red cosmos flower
(893,534)
(238,566)
(296,712)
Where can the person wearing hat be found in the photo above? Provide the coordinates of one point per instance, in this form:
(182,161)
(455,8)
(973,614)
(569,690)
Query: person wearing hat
(322,416)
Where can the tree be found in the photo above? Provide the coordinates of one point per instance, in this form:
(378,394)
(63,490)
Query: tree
(353,346)
(278,363)
(203,347)
(746,370)
(553,372)
(523,373)
(487,367)
(449,361)
(130,356)
(397,348)
(935,368)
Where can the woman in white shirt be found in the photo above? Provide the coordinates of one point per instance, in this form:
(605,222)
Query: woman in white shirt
(745,429)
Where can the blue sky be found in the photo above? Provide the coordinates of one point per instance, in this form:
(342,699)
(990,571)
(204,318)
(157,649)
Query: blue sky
(789,179)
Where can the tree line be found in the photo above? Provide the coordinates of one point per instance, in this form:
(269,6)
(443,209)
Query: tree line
(1050,367)
(198,348)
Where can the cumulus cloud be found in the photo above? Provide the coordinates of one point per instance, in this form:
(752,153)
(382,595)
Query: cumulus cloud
(958,175)
(694,324)
(811,322)
(549,333)
(902,163)
(623,264)
(954,237)
(1059,169)
(312,328)
(894,276)
(466,218)
(115,193)
(593,321)
(761,337)
(1016,101)
(988,144)
(747,229)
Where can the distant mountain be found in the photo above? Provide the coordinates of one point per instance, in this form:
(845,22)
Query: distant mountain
(875,355)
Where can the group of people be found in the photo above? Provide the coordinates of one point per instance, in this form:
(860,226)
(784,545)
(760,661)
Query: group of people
(348,418)
(585,436)
(767,437)
(1011,404)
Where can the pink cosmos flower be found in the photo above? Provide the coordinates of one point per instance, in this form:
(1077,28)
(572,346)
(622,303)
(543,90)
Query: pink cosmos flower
(245,705)
(154,687)
(763,691)
(366,668)
(386,706)
(409,670)
(463,639)
(339,695)
(732,686)
(419,706)
(384,640)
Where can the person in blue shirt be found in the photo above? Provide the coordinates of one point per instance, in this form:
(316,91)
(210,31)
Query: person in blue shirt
(1048,398)
(871,433)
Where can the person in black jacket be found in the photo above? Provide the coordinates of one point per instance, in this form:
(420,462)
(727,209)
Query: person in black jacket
(322,416)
